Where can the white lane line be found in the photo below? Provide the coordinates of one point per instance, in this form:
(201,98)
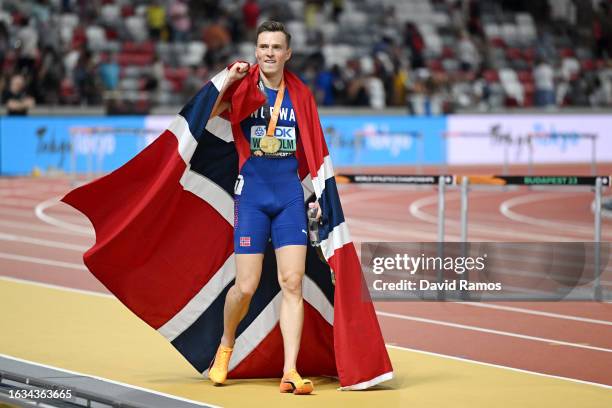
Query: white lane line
(56,287)
(536,313)
(42,228)
(40,213)
(506,209)
(520,370)
(107,380)
(42,261)
(491,331)
(416,211)
(42,242)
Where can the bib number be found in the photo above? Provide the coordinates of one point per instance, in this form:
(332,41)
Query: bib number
(238,185)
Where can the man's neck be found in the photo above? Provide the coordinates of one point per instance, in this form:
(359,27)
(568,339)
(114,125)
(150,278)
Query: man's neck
(272,81)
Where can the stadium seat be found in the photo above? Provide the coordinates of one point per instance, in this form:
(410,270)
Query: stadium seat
(195,53)
(110,14)
(491,75)
(137,27)
(96,37)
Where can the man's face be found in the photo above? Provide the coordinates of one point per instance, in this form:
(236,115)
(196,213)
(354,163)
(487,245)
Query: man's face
(272,52)
(17,84)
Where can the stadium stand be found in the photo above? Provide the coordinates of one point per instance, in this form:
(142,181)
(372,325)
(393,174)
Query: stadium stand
(433,56)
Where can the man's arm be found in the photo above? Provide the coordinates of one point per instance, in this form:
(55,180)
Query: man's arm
(20,104)
(236,73)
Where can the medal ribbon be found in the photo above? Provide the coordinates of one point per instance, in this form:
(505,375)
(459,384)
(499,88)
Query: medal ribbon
(277,107)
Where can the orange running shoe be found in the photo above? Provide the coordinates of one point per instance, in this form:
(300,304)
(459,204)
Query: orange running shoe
(292,382)
(218,371)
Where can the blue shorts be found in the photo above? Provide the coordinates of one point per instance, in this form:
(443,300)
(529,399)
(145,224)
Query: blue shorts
(268,202)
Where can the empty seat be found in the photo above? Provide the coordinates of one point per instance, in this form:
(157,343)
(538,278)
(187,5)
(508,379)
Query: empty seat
(137,27)
(96,37)
(110,13)
(195,53)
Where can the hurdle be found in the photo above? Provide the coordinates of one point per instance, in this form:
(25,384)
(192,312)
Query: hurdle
(596,183)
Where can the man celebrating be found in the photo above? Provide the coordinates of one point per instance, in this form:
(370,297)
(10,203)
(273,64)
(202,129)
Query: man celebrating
(268,203)
(183,231)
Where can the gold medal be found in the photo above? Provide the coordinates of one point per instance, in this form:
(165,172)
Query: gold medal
(269,144)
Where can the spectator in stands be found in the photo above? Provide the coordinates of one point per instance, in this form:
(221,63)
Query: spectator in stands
(481,89)
(16,99)
(400,85)
(414,41)
(50,76)
(337,9)
(312,14)
(27,44)
(85,79)
(156,19)
(324,87)
(601,94)
(153,83)
(376,92)
(544,78)
(469,57)
(180,21)
(109,73)
(356,86)
(217,38)
(602,31)
(250,15)
(4,42)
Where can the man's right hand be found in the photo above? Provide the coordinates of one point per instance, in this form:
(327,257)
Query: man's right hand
(237,72)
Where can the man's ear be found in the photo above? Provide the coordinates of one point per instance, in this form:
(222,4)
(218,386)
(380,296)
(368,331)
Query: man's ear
(289,53)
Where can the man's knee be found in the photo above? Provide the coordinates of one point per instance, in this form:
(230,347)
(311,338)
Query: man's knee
(291,283)
(245,291)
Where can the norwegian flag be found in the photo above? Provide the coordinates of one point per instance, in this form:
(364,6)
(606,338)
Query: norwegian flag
(164,246)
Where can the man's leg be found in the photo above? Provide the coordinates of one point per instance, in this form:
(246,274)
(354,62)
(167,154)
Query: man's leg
(291,260)
(248,272)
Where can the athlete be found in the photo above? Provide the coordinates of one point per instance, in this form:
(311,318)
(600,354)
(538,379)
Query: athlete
(268,203)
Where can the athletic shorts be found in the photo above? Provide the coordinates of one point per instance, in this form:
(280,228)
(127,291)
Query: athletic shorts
(268,203)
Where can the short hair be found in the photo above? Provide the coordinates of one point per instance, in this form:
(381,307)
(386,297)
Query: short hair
(274,26)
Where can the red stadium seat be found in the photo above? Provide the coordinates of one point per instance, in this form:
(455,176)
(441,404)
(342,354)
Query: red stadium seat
(514,53)
(176,76)
(491,75)
(435,65)
(146,47)
(498,42)
(588,65)
(529,54)
(134,59)
(525,77)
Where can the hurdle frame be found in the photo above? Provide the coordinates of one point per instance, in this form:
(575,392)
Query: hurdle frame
(596,182)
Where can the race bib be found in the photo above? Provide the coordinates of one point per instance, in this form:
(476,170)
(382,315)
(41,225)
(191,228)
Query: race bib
(286,135)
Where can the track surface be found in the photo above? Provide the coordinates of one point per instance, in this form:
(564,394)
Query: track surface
(43,240)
